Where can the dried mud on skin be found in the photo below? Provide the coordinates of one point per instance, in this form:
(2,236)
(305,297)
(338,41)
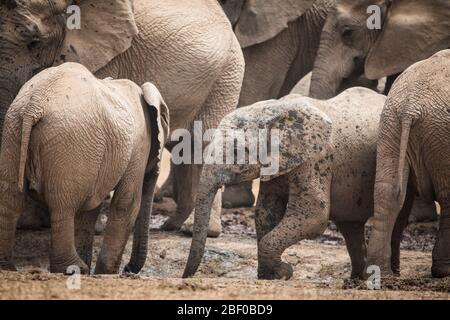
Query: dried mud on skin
(228,271)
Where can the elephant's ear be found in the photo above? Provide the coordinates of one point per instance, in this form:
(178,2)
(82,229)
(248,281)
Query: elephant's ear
(159,120)
(107,30)
(261,20)
(304,135)
(414,30)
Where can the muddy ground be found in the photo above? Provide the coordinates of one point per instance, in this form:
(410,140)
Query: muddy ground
(322,268)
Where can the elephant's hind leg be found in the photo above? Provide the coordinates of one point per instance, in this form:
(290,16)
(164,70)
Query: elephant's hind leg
(223,99)
(353,233)
(63,253)
(441,251)
(121,220)
(84,234)
(306,217)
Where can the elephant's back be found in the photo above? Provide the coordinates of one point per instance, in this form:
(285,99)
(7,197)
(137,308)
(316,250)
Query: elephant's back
(183,47)
(355,115)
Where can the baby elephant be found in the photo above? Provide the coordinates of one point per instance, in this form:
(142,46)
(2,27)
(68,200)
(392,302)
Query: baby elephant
(414,153)
(68,140)
(326,171)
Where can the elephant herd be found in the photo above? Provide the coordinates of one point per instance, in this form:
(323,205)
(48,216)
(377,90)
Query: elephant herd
(87,111)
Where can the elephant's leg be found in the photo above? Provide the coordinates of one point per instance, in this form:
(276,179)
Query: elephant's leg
(167,189)
(355,241)
(187,177)
(237,196)
(441,251)
(422,211)
(121,220)
(222,99)
(306,217)
(397,233)
(271,205)
(63,253)
(84,234)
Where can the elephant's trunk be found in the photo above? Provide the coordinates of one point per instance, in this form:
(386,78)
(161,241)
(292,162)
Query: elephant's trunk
(327,72)
(205,198)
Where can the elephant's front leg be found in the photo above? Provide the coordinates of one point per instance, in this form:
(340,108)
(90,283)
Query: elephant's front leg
(271,205)
(306,216)
(353,232)
(84,233)
(441,251)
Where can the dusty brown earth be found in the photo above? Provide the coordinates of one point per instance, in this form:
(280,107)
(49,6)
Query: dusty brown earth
(322,268)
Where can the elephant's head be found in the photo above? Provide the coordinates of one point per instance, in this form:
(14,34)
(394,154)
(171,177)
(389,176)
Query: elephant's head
(302,134)
(256,21)
(411,30)
(34,35)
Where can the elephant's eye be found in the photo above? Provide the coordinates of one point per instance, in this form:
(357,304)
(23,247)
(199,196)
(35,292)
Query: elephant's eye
(347,33)
(35,43)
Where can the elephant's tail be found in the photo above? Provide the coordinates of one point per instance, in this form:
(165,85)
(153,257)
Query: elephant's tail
(404,139)
(30,118)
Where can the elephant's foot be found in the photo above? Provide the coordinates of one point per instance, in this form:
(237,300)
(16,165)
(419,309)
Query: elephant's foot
(440,269)
(68,266)
(172,224)
(278,271)
(214,227)
(357,272)
(423,212)
(238,196)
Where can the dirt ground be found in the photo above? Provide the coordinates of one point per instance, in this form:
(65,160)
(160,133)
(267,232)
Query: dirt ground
(321,267)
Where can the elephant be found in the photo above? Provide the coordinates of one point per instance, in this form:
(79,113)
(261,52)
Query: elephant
(414,153)
(69,139)
(326,172)
(187,48)
(279,40)
(349,48)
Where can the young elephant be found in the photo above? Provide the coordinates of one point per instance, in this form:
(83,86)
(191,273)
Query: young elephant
(68,140)
(414,151)
(324,181)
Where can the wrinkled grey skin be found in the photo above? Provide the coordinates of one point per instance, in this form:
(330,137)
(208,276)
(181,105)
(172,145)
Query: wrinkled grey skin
(275,65)
(336,183)
(185,47)
(348,48)
(70,150)
(414,150)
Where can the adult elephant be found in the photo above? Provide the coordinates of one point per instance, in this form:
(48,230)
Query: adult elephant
(411,30)
(185,47)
